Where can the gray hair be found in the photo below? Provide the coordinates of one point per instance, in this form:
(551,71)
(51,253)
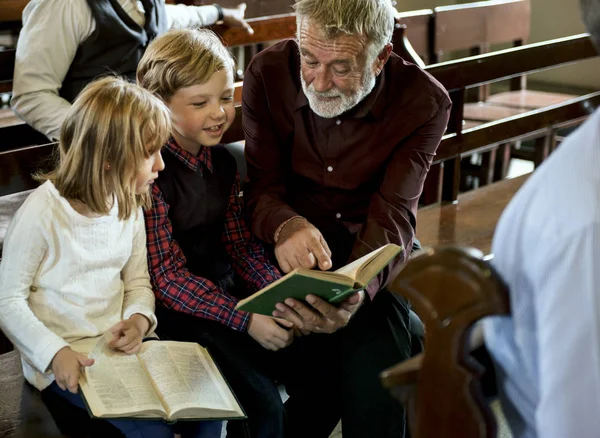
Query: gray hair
(590,10)
(373,19)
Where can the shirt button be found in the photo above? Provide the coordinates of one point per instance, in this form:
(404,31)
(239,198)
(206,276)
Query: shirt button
(329,169)
(338,215)
(338,122)
(33,288)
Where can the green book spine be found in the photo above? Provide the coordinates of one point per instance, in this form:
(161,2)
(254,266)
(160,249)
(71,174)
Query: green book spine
(297,286)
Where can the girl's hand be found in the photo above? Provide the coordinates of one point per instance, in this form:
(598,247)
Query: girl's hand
(66,366)
(128,334)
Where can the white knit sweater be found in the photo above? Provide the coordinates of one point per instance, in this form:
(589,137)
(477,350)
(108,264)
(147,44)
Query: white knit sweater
(65,277)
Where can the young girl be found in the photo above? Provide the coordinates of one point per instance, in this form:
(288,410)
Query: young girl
(74,263)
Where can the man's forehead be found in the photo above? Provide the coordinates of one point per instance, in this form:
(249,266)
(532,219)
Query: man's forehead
(314,40)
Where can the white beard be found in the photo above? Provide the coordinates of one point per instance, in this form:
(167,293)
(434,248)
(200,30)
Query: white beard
(329,108)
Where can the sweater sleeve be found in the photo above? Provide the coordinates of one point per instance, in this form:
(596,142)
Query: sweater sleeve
(25,246)
(138,297)
(52,31)
(182,16)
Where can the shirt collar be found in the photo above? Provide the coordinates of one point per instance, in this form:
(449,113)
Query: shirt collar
(193,162)
(374,103)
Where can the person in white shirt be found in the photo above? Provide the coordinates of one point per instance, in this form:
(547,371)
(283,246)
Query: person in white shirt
(74,263)
(547,249)
(55,32)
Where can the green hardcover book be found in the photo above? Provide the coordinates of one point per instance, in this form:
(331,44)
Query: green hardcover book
(331,286)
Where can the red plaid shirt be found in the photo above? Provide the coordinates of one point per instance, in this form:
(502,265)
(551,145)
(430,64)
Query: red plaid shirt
(176,287)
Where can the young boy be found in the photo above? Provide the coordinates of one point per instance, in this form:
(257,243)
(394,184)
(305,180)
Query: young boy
(201,254)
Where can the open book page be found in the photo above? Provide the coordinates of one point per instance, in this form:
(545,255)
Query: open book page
(117,385)
(351,270)
(188,380)
(368,266)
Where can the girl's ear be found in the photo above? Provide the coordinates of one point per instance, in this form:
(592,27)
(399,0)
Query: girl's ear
(107,166)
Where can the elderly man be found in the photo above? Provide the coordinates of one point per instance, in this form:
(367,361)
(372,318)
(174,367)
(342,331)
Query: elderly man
(340,135)
(546,351)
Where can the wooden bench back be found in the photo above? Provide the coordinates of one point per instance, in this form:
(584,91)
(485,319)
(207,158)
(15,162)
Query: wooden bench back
(480,24)
(418,28)
(7,68)
(18,165)
(457,76)
(451,289)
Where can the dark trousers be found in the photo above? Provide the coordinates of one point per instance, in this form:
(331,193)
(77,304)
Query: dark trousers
(328,377)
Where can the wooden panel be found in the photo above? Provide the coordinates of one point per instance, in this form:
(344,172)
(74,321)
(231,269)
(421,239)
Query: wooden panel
(417,30)
(265,29)
(12,10)
(18,165)
(7,64)
(528,99)
(481,23)
(507,130)
(255,8)
(258,8)
(485,112)
(471,221)
(18,134)
(509,63)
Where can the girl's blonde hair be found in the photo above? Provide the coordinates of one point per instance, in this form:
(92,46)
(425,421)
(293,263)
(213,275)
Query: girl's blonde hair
(181,58)
(112,127)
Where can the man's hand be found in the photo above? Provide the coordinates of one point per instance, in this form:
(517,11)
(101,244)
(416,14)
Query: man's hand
(234,17)
(128,334)
(268,333)
(66,366)
(319,316)
(301,245)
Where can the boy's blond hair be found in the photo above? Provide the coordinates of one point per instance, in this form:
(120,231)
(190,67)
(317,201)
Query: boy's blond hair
(181,58)
(111,128)
(373,19)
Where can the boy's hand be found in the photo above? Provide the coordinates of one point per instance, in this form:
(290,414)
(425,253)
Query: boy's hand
(234,17)
(268,333)
(66,366)
(128,334)
(318,316)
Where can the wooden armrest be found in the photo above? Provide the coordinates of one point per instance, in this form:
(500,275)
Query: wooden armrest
(404,373)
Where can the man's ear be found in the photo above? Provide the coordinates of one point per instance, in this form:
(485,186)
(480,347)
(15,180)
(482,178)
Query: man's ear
(382,58)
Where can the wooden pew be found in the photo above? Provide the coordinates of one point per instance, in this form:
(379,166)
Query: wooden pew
(457,75)
(450,288)
(477,27)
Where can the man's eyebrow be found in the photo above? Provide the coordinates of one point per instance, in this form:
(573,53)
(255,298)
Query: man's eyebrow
(306,52)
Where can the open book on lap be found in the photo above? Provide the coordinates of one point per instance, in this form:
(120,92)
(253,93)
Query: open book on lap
(164,380)
(331,286)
